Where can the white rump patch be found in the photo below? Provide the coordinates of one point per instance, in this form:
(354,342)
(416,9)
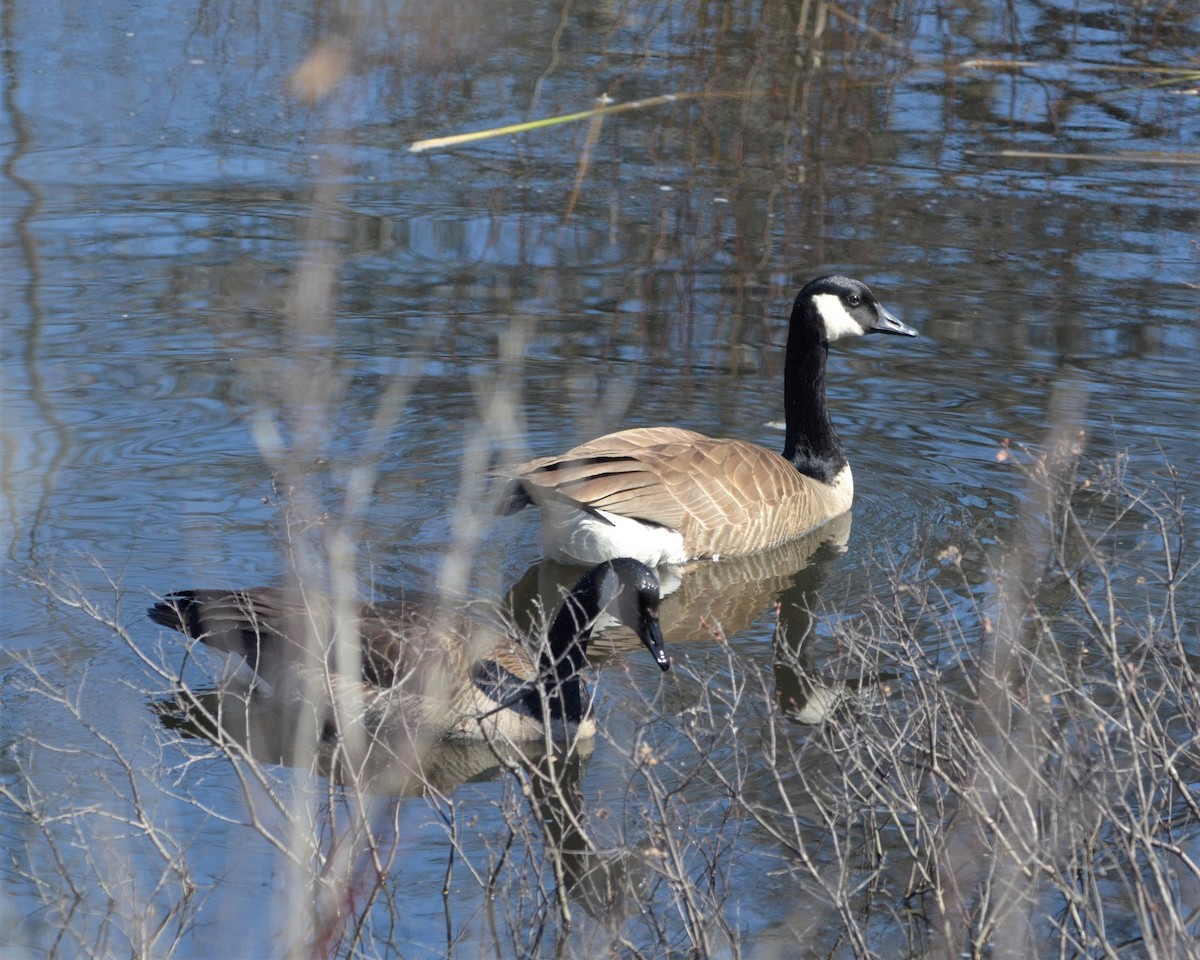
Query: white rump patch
(573,535)
(842,490)
(835,316)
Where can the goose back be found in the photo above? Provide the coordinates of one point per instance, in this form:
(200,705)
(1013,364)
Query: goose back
(723,497)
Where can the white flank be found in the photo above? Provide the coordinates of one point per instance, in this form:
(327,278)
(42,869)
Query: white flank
(576,536)
(843,491)
(835,316)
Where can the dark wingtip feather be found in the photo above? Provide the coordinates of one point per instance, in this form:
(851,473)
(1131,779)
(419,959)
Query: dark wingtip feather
(220,619)
(513,498)
(178,611)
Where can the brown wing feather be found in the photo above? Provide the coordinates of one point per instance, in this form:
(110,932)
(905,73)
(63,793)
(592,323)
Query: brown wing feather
(615,473)
(725,496)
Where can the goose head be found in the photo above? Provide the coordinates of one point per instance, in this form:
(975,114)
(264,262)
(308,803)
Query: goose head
(624,588)
(832,308)
(629,591)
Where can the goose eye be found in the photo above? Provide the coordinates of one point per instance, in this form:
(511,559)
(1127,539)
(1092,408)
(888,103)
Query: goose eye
(853,299)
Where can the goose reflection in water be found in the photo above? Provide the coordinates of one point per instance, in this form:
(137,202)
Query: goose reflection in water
(609,883)
(245,724)
(729,596)
(804,692)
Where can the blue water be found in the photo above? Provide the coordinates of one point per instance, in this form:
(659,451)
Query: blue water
(167,204)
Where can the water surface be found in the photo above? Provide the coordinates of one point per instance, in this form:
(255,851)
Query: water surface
(200,263)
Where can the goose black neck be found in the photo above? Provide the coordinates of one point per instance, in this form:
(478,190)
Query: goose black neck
(555,699)
(565,652)
(559,688)
(811,445)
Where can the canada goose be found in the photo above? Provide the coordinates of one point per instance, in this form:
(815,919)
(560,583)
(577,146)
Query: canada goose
(666,495)
(417,673)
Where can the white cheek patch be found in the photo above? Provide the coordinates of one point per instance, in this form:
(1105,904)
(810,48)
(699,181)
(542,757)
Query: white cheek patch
(835,316)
